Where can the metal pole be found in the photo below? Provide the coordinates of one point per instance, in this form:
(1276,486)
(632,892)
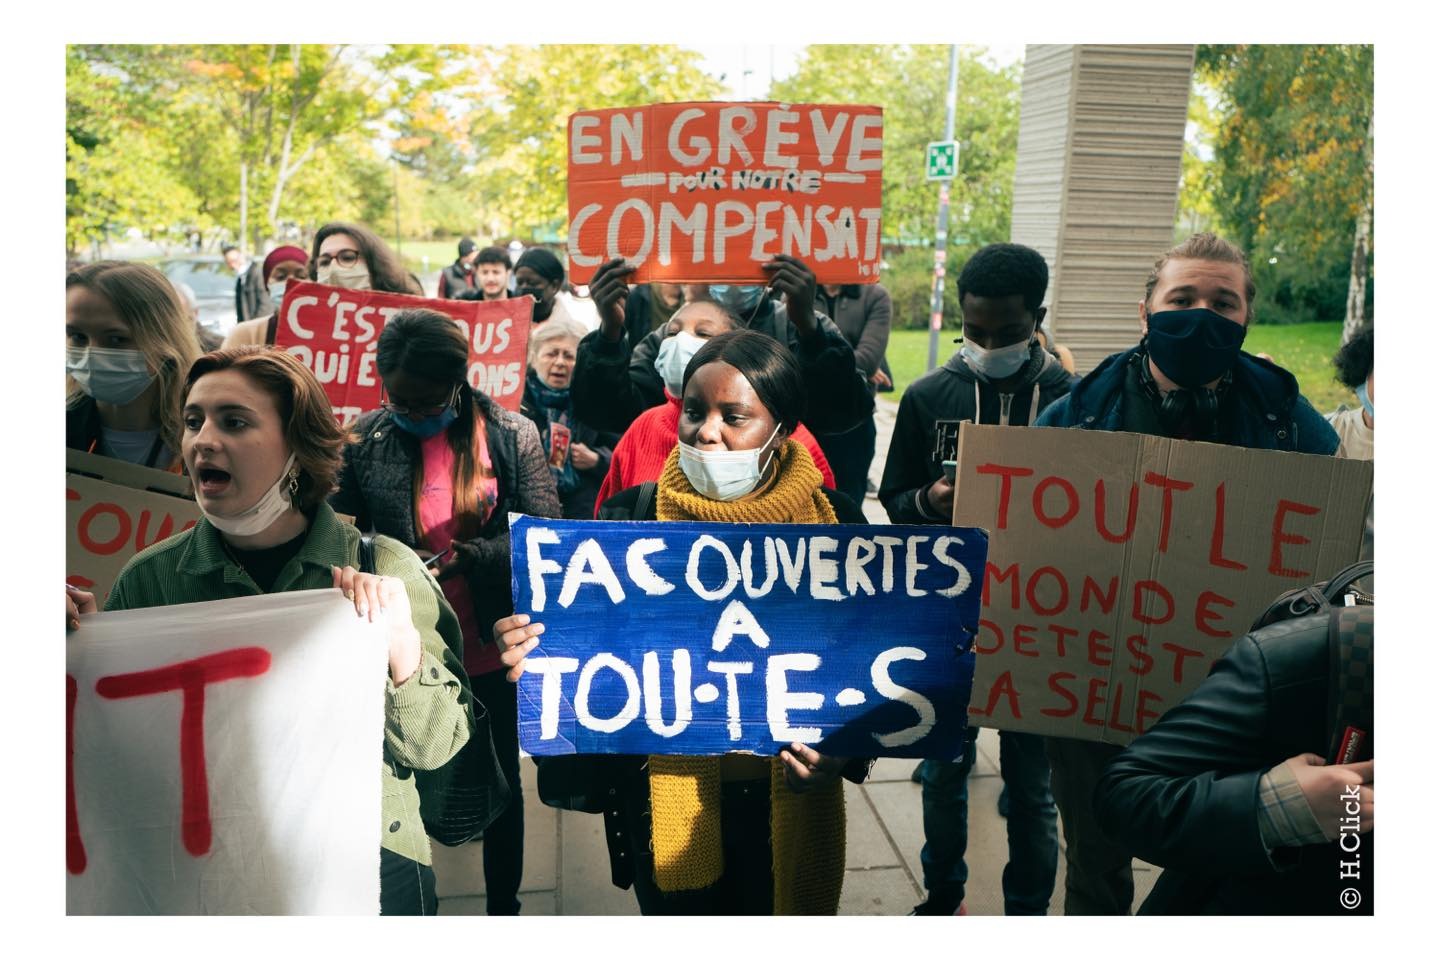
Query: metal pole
(942,220)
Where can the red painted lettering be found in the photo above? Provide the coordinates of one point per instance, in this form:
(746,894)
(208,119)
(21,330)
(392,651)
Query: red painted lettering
(1004,686)
(1061,632)
(190,677)
(1009,574)
(74,846)
(1106,600)
(1093,699)
(1100,526)
(113,545)
(1137,610)
(1203,614)
(1063,587)
(1115,705)
(999,639)
(1217,535)
(1024,639)
(1006,474)
(1145,662)
(1056,687)
(1181,654)
(1098,648)
(1141,713)
(1072,505)
(1170,486)
(1279,538)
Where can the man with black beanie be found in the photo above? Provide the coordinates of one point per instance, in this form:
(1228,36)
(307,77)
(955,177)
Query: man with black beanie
(459,276)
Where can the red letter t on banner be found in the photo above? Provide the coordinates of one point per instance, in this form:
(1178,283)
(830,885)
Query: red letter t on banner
(190,677)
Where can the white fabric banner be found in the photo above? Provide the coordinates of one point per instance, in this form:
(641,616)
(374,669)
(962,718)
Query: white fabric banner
(225,758)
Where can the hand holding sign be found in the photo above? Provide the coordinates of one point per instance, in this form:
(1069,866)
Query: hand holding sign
(77,603)
(517,637)
(805,769)
(792,277)
(609,288)
(385,595)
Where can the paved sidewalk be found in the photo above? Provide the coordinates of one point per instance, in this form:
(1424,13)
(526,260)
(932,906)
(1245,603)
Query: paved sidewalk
(567,868)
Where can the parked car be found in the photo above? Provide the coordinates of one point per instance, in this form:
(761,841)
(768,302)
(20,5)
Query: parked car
(213,284)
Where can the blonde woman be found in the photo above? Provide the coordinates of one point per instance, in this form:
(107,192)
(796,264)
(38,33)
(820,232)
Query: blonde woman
(129,343)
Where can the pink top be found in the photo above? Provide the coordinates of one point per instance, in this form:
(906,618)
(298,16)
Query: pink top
(438,527)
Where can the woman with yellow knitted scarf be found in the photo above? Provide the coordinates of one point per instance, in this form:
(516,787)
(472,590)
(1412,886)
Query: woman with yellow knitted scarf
(733,834)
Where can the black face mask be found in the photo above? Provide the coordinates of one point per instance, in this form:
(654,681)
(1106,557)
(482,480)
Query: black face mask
(542,308)
(1193,347)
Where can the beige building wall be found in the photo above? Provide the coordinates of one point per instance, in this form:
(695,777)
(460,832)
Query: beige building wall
(1097,179)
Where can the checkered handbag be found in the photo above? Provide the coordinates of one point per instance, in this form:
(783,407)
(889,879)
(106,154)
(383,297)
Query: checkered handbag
(1352,677)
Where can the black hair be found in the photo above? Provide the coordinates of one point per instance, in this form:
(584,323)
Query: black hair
(1005,269)
(227,248)
(387,275)
(424,343)
(1356,359)
(543,262)
(772,370)
(494,254)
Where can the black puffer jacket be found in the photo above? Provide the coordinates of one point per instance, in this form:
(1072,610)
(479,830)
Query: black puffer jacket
(579,503)
(615,382)
(950,393)
(377,488)
(1185,795)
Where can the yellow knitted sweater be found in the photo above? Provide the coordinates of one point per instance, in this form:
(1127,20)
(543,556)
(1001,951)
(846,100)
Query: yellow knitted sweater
(807,830)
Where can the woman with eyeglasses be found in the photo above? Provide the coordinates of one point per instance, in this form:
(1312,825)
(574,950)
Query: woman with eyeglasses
(349,255)
(129,343)
(438,467)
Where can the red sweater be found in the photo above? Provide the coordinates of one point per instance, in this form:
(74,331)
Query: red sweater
(640,455)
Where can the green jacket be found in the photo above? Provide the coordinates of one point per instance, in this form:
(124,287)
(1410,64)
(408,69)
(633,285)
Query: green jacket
(427,719)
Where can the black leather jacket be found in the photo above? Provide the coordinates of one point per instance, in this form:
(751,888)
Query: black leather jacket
(1185,795)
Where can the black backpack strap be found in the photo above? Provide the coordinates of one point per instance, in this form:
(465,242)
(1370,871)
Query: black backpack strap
(1343,580)
(366,553)
(644,501)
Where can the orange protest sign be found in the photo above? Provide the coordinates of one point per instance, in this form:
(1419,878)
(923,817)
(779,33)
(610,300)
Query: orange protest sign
(334,332)
(706,192)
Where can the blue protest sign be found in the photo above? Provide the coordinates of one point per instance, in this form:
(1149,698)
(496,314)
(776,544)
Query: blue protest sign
(705,638)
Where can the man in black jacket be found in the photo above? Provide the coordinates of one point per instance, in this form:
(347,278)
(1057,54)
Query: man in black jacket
(1231,792)
(251,297)
(1001,376)
(616,380)
(459,276)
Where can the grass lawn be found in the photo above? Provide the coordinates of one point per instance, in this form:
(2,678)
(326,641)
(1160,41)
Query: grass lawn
(1304,349)
(441,253)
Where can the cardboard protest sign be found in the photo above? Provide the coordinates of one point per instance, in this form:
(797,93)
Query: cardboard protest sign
(706,192)
(114,509)
(1121,566)
(208,772)
(334,332)
(705,638)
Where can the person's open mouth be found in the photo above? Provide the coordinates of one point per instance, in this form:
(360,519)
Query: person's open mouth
(212,481)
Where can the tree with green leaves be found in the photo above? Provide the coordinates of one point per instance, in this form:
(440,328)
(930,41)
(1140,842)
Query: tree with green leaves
(1293,174)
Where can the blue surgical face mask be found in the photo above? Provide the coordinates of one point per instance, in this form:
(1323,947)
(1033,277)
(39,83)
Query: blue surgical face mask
(1363,393)
(109,376)
(741,300)
(427,426)
(725,475)
(998,363)
(675,355)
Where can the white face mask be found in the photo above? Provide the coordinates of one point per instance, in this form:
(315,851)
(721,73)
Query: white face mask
(676,352)
(355,277)
(998,363)
(109,376)
(277,292)
(724,475)
(258,518)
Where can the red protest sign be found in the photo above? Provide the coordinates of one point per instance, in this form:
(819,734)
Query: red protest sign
(707,192)
(334,331)
(1121,566)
